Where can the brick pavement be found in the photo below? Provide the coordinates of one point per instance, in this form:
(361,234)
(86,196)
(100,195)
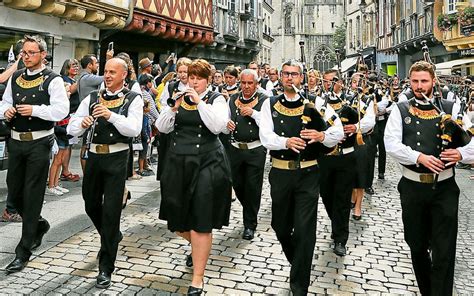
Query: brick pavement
(151,259)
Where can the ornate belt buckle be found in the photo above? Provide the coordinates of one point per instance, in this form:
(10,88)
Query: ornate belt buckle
(243,146)
(102,149)
(427,178)
(293,165)
(26,136)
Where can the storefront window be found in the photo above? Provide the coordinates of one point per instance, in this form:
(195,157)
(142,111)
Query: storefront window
(11,37)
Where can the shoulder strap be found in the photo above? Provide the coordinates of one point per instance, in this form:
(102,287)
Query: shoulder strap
(212,95)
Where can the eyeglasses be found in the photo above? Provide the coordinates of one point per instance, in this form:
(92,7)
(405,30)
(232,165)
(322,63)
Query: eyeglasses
(287,74)
(29,53)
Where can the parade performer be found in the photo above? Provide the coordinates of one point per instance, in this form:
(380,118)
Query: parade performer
(246,153)
(35,98)
(196,185)
(111,118)
(415,136)
(294,176)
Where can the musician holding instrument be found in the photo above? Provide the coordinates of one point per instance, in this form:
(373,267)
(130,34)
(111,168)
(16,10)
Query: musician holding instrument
(246,154)
(34,99)
(294,176)
(169,91)
(196,185)
(111,117)
(415,136)
(338,173)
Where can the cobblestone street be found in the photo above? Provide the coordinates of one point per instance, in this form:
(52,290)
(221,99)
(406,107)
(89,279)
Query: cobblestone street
(151,259)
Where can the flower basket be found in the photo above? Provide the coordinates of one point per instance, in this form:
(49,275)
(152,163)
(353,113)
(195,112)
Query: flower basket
(466,16)
(447,21)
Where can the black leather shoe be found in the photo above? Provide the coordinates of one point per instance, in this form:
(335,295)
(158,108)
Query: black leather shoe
(16,265)
(357,217)
(370,190)
(126,199)
(189,261)
(340,249)
(248,234)
(103,280)
(353,204)
(43,228)
(381,176)
(195,291)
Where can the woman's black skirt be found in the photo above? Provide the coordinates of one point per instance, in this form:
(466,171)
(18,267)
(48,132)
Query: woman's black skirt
(196,191)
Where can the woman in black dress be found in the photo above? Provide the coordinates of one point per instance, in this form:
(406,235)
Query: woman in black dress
(196,186)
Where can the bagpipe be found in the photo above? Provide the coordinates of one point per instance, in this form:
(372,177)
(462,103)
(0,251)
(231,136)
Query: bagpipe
(311,118)
(452,133)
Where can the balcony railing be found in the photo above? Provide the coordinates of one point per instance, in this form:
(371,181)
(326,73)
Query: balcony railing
(231,28)
(251,30)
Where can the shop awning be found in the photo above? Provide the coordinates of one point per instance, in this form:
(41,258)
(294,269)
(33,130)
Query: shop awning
(348,63)
(446,67)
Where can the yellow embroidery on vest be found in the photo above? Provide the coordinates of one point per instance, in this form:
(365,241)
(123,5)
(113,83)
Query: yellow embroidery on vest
(336,106)
(188,107)
(423,114)
(112,103)
(288,111)
(25,84)
(251,104)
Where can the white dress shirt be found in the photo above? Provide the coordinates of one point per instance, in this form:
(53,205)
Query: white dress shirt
(405,154)
(272,141)
(368,121)
(58,107)
(128,126)
(215,116)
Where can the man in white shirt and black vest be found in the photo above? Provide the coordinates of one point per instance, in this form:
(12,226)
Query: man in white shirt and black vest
(294,177)
(35,98)
(246,153)
(429,195)
(111,118)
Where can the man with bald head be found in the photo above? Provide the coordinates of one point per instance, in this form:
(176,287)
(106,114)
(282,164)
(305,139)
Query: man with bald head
(246,153)
(109,118)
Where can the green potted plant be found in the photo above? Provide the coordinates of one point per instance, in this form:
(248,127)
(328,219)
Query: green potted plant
(466,16)
(447,21)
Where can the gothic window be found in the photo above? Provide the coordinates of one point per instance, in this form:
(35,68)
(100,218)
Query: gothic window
(324,58)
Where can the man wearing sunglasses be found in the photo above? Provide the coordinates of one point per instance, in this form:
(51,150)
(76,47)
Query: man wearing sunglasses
(35,98)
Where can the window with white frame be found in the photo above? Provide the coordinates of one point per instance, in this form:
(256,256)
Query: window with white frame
(451,6)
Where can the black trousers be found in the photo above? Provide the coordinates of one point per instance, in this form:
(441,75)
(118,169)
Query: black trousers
(371,142)
(430,220)
(337,181)
(102,190)
(247,168)
(379,133)
(28,166)
(295,196)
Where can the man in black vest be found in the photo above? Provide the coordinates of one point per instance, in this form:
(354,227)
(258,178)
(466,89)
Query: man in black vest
(338,174)
(246,153)
(294,177)
(429,212)
(34,99)
(111,118)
